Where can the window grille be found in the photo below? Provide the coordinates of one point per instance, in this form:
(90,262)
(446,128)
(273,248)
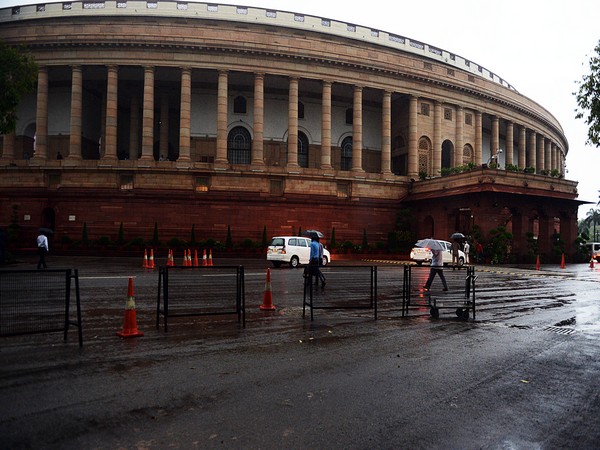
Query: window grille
(346,160)
(239,144)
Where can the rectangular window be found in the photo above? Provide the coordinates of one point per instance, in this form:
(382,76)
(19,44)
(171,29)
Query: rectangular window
(447,114)
(343,190)
(428,66)
(276,187)
(126,182)
(469,118)
(201,184)
(424,109)
(451,72)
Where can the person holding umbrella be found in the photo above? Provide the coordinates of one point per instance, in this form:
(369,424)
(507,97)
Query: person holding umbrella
(437,262)
(456,237)
(42,245)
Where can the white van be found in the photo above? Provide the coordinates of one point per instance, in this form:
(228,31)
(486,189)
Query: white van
(593,249)
(292,250)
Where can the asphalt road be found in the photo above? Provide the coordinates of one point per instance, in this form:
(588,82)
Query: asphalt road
(524,375)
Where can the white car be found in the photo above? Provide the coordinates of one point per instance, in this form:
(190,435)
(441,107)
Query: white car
(423,254)
(292,250)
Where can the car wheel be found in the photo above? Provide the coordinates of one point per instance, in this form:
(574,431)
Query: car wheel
(276,264)
(324,261)
(294,262)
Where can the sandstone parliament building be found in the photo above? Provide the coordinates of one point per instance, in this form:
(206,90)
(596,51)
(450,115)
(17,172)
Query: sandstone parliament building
(218,116)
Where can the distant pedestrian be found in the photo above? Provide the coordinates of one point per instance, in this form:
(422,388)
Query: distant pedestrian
(42,245)
(479,253)
(466,249)
(455,261)
(437,268)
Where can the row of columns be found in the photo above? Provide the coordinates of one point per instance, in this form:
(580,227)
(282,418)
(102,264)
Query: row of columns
(541,152)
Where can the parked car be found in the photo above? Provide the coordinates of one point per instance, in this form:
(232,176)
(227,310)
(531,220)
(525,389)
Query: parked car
(593,249)
(423,254)
(292,250)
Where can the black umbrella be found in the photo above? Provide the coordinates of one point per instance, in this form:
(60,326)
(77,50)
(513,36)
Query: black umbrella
(458,236)
(44,230)
(312,234)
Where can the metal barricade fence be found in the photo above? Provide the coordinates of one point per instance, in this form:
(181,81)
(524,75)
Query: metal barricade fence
(39,301)
(460,295)
(347,287)
(200,291)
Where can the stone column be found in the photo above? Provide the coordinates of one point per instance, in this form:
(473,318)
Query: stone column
(76,112)
(509,158)
(326,126)
(458,148)
(540,157)
(163,144)
(8,146)
(522,147)
(386,133)
(185,115)
(548,155)
(554,156)
(110,133)
(531,150)
(357,130)
(222,118)
(413,151)
(134,128)
(148,116)
(41,116)
(495,143)
(258,157)
(292,142)
(436,165)
(478,138)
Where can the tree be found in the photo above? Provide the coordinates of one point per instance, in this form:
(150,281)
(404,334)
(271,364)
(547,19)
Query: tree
(18,75)
(592,219)
(588,99)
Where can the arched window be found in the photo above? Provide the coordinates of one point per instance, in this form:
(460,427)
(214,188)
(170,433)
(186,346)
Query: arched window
(424,155)
(447,154)
(346,163)
(467,154)
(239,105)
(239,143)
(302,149)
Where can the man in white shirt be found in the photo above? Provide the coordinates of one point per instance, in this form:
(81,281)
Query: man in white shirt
(437,268)
(42,244)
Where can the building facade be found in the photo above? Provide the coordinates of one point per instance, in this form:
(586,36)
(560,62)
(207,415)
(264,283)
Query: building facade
(223,117)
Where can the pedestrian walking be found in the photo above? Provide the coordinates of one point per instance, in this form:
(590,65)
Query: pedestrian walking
(437,268)
(316,260)
(42,245)
(466,249)
(455,262)
(479,253)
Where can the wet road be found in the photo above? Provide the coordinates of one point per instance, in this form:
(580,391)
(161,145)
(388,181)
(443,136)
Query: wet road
(525,374)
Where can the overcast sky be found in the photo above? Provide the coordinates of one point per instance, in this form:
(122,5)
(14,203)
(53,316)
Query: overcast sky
(541,47)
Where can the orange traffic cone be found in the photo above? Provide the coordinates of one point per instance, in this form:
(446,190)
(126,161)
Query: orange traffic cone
(189,258)
(151,261)
(537,263)
(204,262)
(210,262)
(562,262)
(130,324)
(170,261)
(268,297)
(196,258)
(145,264)
(184,264)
